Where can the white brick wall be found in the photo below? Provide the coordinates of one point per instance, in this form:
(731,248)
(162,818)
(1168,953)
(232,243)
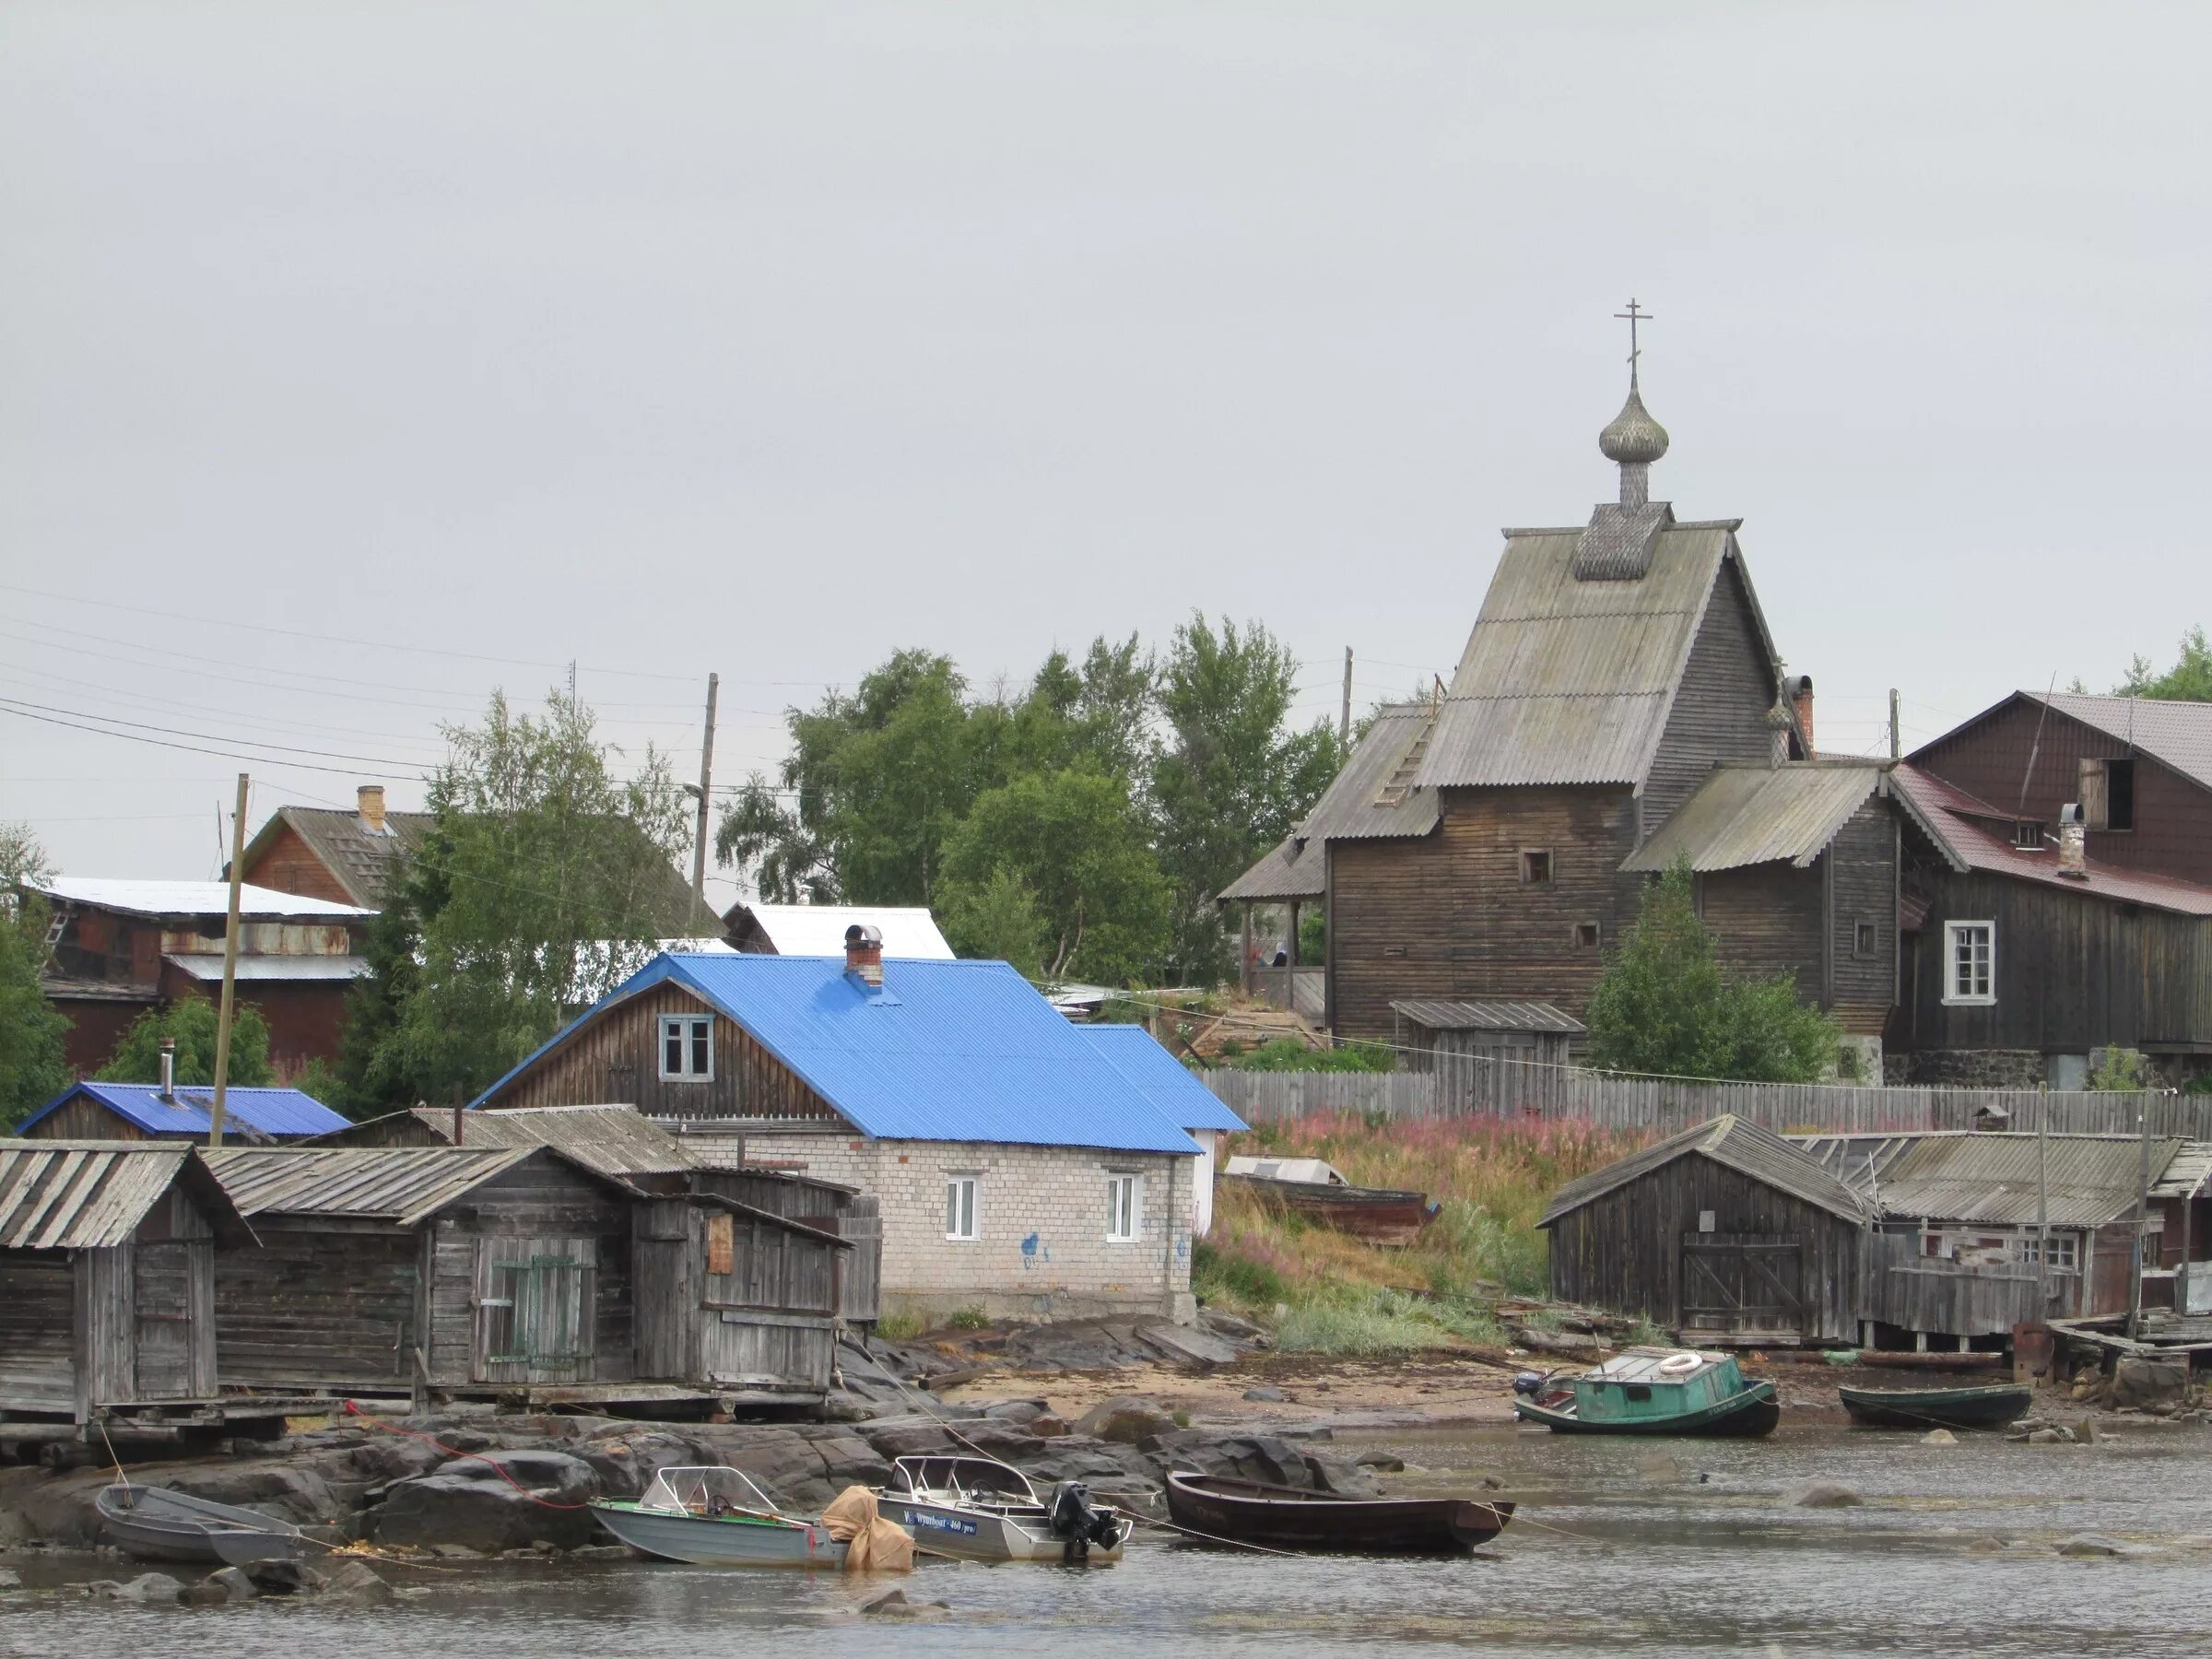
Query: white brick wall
(1043,1252)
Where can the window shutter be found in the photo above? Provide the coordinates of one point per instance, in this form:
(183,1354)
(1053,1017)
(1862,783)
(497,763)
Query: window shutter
(722,1245)
(2096,798)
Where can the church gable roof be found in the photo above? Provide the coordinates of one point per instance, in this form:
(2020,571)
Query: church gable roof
(1568,678)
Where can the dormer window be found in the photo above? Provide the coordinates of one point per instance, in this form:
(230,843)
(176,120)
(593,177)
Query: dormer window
(2028,836)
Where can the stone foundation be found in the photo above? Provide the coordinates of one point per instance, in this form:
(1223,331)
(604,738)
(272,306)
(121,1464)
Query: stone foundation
(1970,1069)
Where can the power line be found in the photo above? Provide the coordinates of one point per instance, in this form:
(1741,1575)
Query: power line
(189,749)
(286,748)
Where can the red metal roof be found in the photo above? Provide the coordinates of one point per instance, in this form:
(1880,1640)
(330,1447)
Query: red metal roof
(1958,822)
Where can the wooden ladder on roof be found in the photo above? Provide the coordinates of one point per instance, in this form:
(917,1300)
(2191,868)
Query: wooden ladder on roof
(1399,785)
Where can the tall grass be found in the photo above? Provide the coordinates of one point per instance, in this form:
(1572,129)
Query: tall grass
(1491,1177)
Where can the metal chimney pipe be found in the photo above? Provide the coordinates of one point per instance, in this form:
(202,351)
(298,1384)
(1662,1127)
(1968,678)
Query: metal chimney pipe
(169,1071)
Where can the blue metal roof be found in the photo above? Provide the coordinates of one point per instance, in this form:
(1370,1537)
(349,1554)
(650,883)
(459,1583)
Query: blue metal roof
(284,1112)
(951,1050)
(1172,1086)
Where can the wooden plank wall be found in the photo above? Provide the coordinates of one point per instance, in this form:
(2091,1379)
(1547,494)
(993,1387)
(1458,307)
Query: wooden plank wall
(1720,710)
(1769,919)
(1861,871)
(769,1324)
(86,1119)
(322,1303)
(1914,1292)
(38,1331)
(616,1058)
(1659,1106)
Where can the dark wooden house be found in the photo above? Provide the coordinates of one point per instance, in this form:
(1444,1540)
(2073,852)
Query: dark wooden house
(122,947)
(1726,1232)
(1490,1056)
(107,1278)
(1475,845)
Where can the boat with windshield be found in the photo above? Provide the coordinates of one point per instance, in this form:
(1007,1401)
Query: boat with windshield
(977,1508)
(1650,1391)
(716,1517)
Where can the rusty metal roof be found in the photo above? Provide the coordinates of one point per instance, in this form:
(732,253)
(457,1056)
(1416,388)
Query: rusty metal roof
(401,1184)
(2180,733)
(1990,1175)
(1957,822)
(1741,1145)
(1486,1014)
(1750,815)
(60,1195)
(1566,680)
(616,1141)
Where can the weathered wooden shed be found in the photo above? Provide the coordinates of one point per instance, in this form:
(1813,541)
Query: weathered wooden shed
(1493,1054)
(107,1277)
(1726,1232)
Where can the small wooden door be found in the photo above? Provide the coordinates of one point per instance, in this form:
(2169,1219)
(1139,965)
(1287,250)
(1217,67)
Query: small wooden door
(1743,1284)
(174,1290)
(537,1306)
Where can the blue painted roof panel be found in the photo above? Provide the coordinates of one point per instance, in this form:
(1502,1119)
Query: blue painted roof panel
(953,1051)
(1172,1086)
(273,1111)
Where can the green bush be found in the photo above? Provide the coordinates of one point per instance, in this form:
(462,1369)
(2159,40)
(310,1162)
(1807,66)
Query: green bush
(971,1318)
(1287,1053)
(1218,1276)
(898,1327)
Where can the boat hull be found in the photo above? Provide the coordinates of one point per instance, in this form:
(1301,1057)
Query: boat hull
(1375,1214)
(1250,1511)
(972,1535)
(1987,1407)
(719,1540)
(1753,1412)
(150,1523)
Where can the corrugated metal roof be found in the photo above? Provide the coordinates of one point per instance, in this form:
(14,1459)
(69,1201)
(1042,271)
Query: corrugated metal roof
(1738,1143)
(1174,1092)
(1352,808)
(269,1112)
(208,966)
(192,898)
(611,1139)
(820,929)
(1985,1175)
(1568,681)
(959,1051)
(402,1185)
(2180,733)
(1486,1014)
(1956,820)
(1290,870)
(1750,815)
(59,1195)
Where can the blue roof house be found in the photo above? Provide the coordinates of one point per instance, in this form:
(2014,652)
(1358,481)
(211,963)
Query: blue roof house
(121,1111)
(1174,1090)
(1020,1164)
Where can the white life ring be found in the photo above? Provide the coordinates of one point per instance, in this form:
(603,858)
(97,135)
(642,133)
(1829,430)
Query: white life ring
(1680,1365)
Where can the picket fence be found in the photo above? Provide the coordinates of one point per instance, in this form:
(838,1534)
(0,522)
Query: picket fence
(1666,1105)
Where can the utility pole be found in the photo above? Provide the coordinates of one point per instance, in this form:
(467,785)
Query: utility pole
(1343,720)
(1897,746)
(2042,1200)
(222,1021)
(705,787)
(2134,1289)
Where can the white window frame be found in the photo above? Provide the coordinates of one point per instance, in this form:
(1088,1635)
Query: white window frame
(1953,932)
(2065,1252)
(688,1031)
(963,1207)
(1125,1206)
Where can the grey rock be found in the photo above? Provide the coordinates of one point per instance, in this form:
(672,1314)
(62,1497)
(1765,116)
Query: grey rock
(2143,1381)
(470,1501)
(1821,1494)
(1189,1345)
(1384,1462)
(893,1604)
(603,1552)
(1939,1437)
(355,1585)
(279,1578)
(2091,1544)
(11,1579)
(151,1589)
(224,1585)
(2051,1437)
(1272,1396)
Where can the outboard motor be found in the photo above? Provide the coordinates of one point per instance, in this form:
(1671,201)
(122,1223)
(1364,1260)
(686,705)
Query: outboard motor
(1528,1382)
(1081,1523)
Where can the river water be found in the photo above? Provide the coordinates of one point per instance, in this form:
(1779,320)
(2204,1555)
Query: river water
(1651,1547)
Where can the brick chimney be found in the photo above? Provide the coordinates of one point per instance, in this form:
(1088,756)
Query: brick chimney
(864,953)
(369,798)
(1803,697)
(2073,842)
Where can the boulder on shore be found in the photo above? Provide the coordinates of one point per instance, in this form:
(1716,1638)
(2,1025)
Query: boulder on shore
(224,1585)
(2145,1380)
(500,1500)
(1124,1421)
(1821,1494)
(355,1584)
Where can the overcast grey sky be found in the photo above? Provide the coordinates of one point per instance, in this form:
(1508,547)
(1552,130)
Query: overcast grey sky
(766,340)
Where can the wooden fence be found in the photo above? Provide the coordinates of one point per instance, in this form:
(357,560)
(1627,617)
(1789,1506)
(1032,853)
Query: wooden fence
(1659,1104)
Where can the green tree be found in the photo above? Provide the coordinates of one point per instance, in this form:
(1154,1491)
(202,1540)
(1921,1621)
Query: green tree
(2189,680)
(1232,778)
(33,1062)
(997,919)
(542,885)
(191,1020)
(1664,1007)
(375,1069)
(1075,841)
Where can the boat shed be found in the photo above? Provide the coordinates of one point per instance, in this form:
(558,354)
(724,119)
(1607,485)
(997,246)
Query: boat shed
(1726,1232)
(107,1278)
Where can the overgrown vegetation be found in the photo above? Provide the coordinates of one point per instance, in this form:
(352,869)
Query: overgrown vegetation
(1287,1053)
(1326,1292)
(2121,1071)
(33,1064)
(191,1021)
(1665,1007)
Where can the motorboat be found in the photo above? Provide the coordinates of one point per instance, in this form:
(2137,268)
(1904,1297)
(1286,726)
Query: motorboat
(714,1516)
(1221,1509)
(977,1508)
(1650,1391)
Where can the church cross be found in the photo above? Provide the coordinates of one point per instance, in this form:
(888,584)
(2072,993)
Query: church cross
(1632,316)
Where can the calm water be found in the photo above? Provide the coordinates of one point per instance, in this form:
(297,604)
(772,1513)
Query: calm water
(1645,1557)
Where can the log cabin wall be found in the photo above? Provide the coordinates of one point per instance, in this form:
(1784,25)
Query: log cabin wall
(85,1119)
(1860,871)
(38,1331)
(1623,1249)
(1448,915)
(2172,833)
(1769,919)
(616,1058)
(325,1301)
(1719,713)
(2072,973)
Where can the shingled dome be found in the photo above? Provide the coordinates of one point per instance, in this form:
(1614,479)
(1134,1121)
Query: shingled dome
(1632,436)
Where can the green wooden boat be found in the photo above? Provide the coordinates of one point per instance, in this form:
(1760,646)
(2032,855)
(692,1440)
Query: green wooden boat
(1652,1391)
(1987,1406)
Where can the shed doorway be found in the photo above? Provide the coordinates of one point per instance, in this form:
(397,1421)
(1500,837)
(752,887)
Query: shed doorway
(536,1305)
(1745,1287)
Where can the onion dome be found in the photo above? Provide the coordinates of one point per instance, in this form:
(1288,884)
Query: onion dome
(1633,437)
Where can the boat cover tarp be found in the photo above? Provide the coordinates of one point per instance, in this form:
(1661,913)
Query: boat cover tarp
(874,1544)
